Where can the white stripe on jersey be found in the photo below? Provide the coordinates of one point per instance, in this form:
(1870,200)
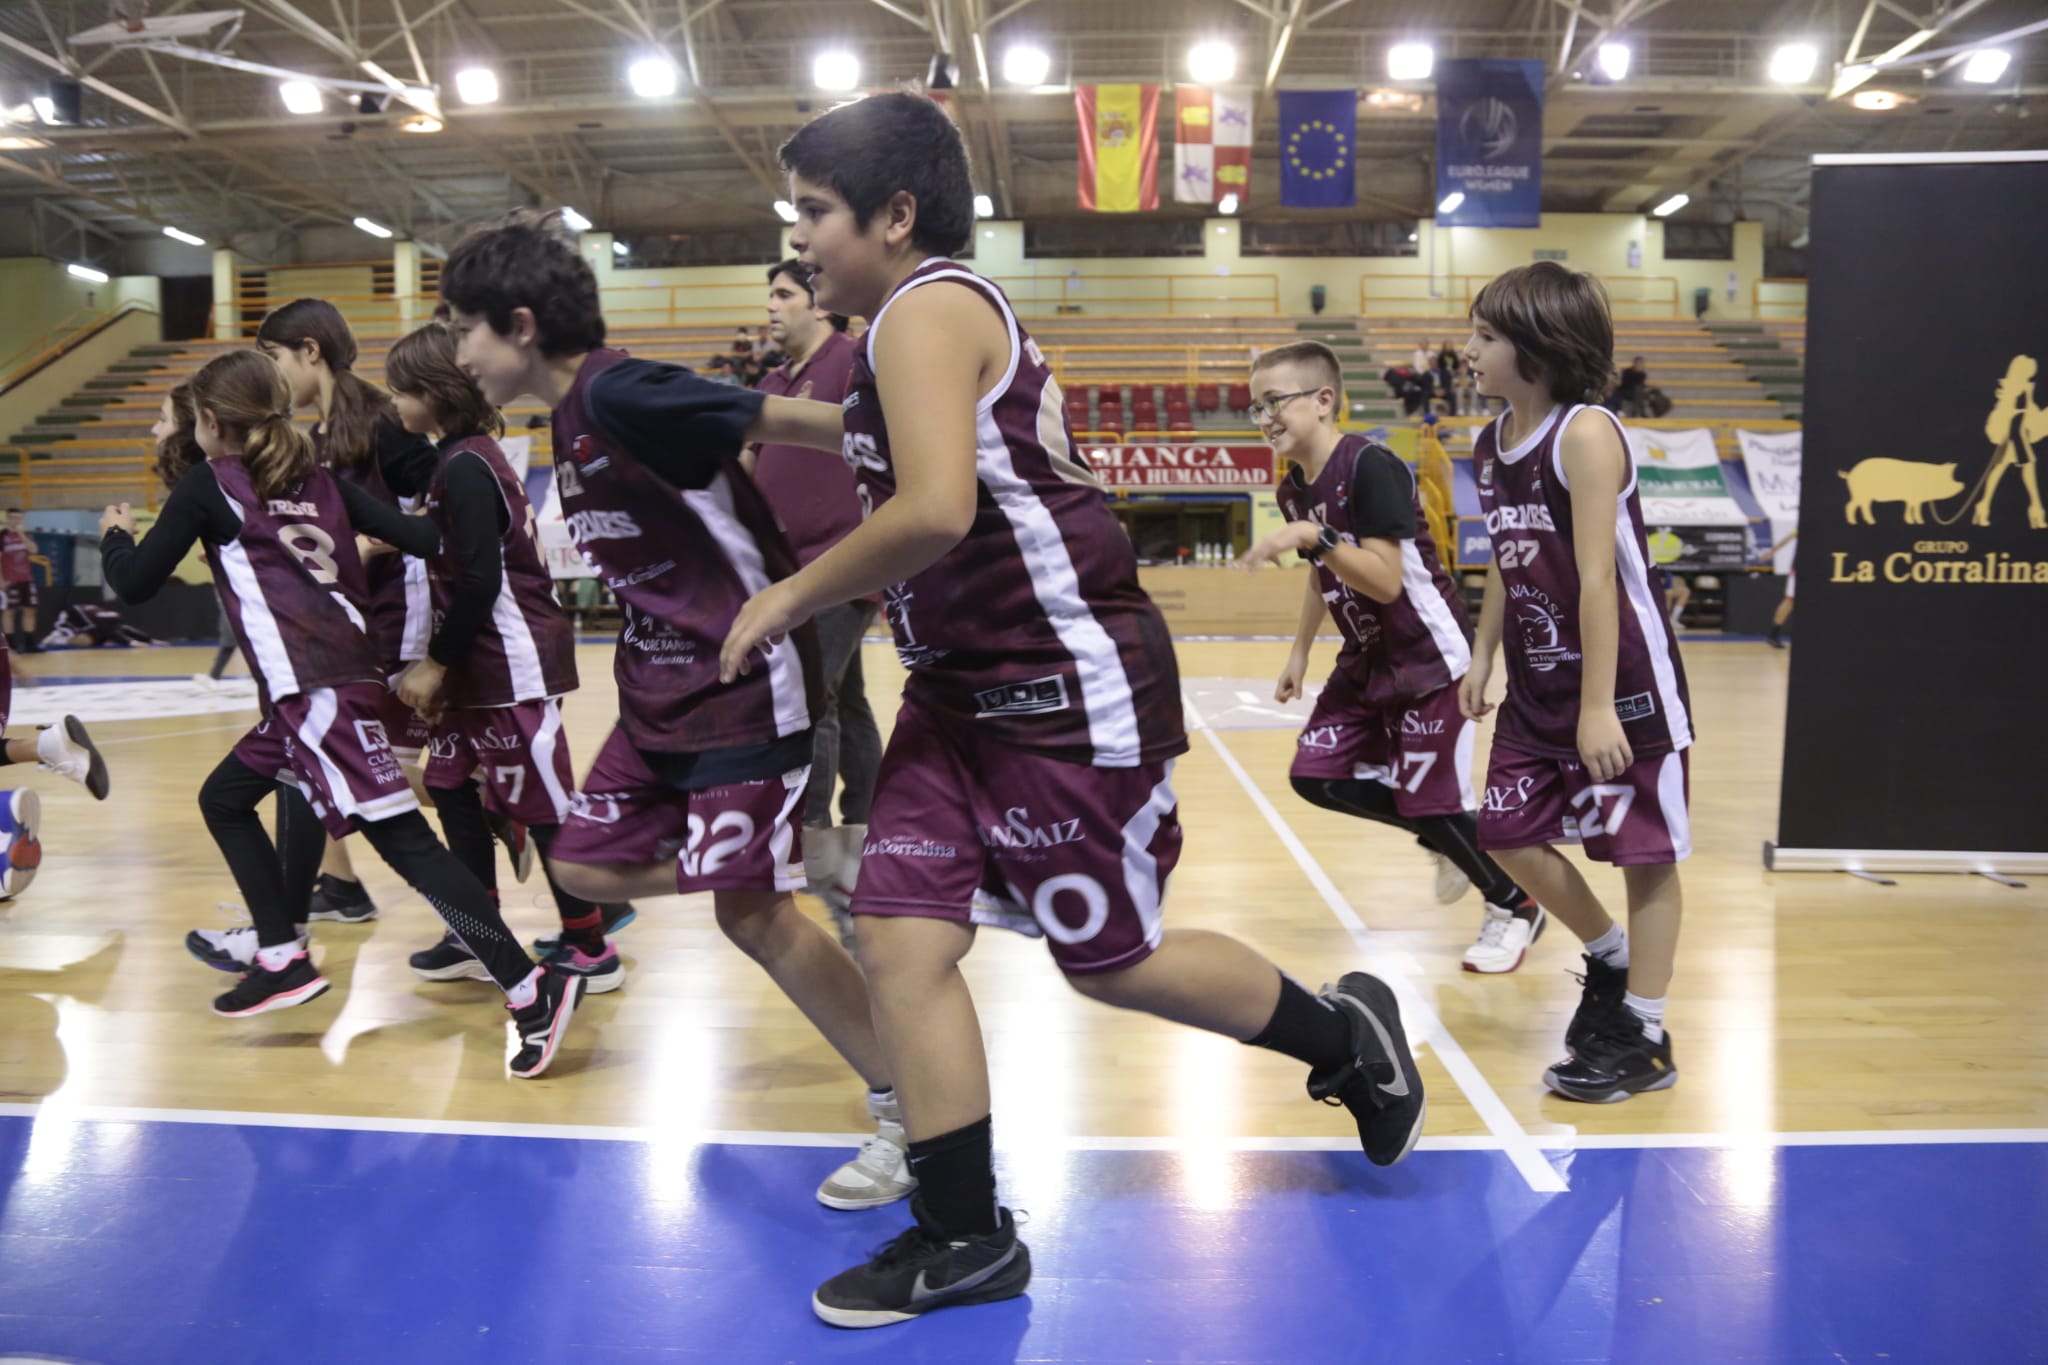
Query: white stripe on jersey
(419,613)
(1467,737)
(1429,604)
(714,507)
(1634,572)
(1671,805)
(522,654)
(1098,665)
(259,626)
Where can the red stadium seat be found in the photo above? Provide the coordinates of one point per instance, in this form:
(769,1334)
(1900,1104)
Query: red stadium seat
(1206,398)
(1176,393)
(1240,398)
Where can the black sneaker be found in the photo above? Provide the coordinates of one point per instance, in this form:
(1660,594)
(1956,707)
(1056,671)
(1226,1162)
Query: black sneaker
(537,1030)
(601,974)
(228,950)
(616,917)
(448,960)
(1613,1062)
(1604,987)
(260,992)
(923,1270)
(342,901)
(1380,1085)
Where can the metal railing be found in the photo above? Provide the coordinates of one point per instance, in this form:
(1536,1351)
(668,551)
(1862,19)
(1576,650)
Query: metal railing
(1177,294)
(1629,296)
(64,338)
(1785,297)
(117,476)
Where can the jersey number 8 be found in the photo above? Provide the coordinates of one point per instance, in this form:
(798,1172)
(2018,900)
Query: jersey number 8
(314,548)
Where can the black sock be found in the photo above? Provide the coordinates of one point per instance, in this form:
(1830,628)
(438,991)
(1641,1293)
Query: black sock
(1304,1028)
(956,1178)
(582,921)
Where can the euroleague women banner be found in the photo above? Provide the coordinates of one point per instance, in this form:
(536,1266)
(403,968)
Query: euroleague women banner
(1916,727)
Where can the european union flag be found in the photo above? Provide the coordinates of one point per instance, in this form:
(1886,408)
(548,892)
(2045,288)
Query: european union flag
(1318,149)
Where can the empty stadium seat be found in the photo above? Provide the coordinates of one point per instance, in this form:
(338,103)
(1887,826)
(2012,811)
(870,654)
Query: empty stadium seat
(1207,398)
(1240,398)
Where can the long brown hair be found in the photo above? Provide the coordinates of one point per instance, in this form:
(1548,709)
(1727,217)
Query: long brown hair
(349,430)
(422,365)
(1560,325)
(251,399)
(178,452)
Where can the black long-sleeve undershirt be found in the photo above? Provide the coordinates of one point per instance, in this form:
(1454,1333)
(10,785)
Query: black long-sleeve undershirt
(680,425)
(197,510)
(477,521)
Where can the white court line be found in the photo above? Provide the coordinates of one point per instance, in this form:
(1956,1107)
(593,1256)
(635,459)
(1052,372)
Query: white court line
(56,1111)
(99,743)
(1515,1141)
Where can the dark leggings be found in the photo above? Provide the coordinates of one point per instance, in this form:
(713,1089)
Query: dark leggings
(469,836)
(276,882)
(1454,836)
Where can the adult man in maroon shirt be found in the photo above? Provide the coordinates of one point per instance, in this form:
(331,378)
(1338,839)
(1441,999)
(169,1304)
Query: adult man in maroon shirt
(815,497)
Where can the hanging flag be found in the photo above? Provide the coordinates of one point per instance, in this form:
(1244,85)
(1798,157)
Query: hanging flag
(1489,142)
(1318,149)
(1119,160)
(1212,143)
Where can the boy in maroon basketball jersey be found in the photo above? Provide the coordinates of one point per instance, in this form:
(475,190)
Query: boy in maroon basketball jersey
(1591,744)
(1032,759)
(18,580)
(701,785)
(501,656)
(1386,741)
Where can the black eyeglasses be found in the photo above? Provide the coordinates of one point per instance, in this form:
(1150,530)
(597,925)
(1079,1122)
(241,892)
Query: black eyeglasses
(1266,409)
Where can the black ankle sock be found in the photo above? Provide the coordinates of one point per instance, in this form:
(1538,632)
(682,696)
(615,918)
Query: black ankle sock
(956,1178)
(1304,1028)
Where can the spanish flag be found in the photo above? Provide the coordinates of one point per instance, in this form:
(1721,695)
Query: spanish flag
(1119,162)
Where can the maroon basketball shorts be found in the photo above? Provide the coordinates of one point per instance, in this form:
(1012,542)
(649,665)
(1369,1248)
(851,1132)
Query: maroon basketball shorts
(1422,751)
(21,596)
(518,752)
(1638,818)
(1084,852)
(330,742)
(744,836)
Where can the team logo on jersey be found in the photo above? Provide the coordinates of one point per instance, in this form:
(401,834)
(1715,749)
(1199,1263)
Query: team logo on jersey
(1541,627)
(583,451)
(1412,723)
(1037,697)
(1019,831)
(908,848)
(1323,737)
(1639,707)
(1501,800)
(597,809)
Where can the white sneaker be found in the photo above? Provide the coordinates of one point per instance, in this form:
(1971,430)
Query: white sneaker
(880,1173)
(1503,940)
(67,750)
(1451,881)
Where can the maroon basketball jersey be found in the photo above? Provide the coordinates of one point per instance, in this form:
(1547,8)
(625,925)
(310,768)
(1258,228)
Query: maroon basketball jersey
(681,563)
(291,582)
(401,619)
(1033,628)
(1528,508)
(1419,643)
(526,651)
(812,491)
(15,549)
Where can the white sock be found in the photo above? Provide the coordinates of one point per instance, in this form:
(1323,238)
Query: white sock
(853,841)
(277,957)
(1611,947)
(526,992)
(52,745)
(1651,1012)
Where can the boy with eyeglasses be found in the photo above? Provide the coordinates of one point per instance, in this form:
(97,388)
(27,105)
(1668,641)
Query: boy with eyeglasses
(1386,741)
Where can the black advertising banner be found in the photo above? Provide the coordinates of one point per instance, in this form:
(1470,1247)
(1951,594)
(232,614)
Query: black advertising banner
(1916,727)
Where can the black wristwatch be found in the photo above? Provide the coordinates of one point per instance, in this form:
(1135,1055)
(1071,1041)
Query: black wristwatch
(1326,540)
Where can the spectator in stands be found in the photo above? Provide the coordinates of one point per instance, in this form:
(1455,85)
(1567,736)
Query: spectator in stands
(1421,360)
(1633,389)
(1446,372)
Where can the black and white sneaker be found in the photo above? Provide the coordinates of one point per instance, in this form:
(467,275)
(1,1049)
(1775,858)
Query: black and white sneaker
(1380,1085)
(66,748)
(517,839)
(448,960)
(260,992)
(1615,1060)
(1600,996)
(536,1031)
(923,1270)
(616,917)
(343,902)
(228,950)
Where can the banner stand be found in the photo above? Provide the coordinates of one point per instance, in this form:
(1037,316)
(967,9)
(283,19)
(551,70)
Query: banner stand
(1998,867)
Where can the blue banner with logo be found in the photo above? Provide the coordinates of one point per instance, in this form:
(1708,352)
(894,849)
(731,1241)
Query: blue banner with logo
(1318,149)
(1489,142)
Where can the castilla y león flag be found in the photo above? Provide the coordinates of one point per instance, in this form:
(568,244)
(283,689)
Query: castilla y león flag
(1119,154)
(1212,143)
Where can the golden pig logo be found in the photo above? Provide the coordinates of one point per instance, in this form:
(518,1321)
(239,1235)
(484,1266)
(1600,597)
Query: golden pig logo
(1915,485)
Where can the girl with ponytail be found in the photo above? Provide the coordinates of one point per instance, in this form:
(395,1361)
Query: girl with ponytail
(280,532)
(357,434)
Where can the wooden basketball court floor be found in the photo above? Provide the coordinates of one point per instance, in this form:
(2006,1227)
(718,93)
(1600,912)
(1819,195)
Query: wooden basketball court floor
(1863,1067)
